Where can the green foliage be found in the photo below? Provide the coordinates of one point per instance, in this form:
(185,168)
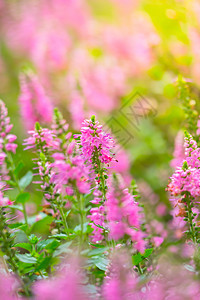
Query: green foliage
(139,258)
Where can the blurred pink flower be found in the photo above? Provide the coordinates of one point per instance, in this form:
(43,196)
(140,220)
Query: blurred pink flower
(35,105)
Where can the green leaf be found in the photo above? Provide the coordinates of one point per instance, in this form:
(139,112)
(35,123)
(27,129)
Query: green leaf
(147,252)
(15,225)
(97,251)
(86,228)
(101,263)
(26,180)
(43,244)
(64,248)
(37,126)
(26,246)
(42,225)
(67,213)
(97,245)
(189,268)
(136,259)
(23,227)
(23,198)
(12,183)
(97,225)
(61,236)
(52,246)
(16,207)
(18,168)
(44,264)
(42,156)
(26,258)
(33,239)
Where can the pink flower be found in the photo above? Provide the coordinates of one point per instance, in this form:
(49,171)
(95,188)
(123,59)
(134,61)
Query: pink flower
(66,285)
(198,128)
(4,201)
(93,139)
(7,284)
(123,215)
(11,147)
(70,172)
(158,240)
(186,177)
(6,140)
(121,282)
(179,155)
(44,137)
(34,103)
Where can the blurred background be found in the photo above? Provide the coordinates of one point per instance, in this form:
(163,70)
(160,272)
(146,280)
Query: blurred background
(117,59)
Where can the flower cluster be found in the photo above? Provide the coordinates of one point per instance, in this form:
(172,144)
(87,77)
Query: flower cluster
(70,173)
(91,211)
(4,201)
(123,215)
(178,154)
(7,284)
(186,177)
(42,138)
(97,74)
(120,282)
(96,144)
(66,284)
(34,103)
(184,187)
(43,142)
(7,141)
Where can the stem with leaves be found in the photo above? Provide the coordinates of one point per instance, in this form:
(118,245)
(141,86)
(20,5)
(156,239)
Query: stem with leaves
(189,218)
(12,168)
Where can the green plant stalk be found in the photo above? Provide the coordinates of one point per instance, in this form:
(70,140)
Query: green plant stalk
(190,221)
(60,208)
(102,180)
(140,269)
(81,210)
(11,254)
(9,156)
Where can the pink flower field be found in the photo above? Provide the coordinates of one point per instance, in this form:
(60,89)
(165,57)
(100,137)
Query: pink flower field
(99,150)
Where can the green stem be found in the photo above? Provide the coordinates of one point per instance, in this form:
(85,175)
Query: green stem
(81,213)
(140,269)
(102,180)
(25,213)
(63,218)
(190,221)
(10,253)
(9,156)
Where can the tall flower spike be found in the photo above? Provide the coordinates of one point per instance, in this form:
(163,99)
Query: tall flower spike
(35,105)
(123,214)
(120,282)
(184,186)
(178,150)
(66,285)
(96,144)
(60,129)
(7,140)
(186,177)
(7,284)
(44,142)
(70,171)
